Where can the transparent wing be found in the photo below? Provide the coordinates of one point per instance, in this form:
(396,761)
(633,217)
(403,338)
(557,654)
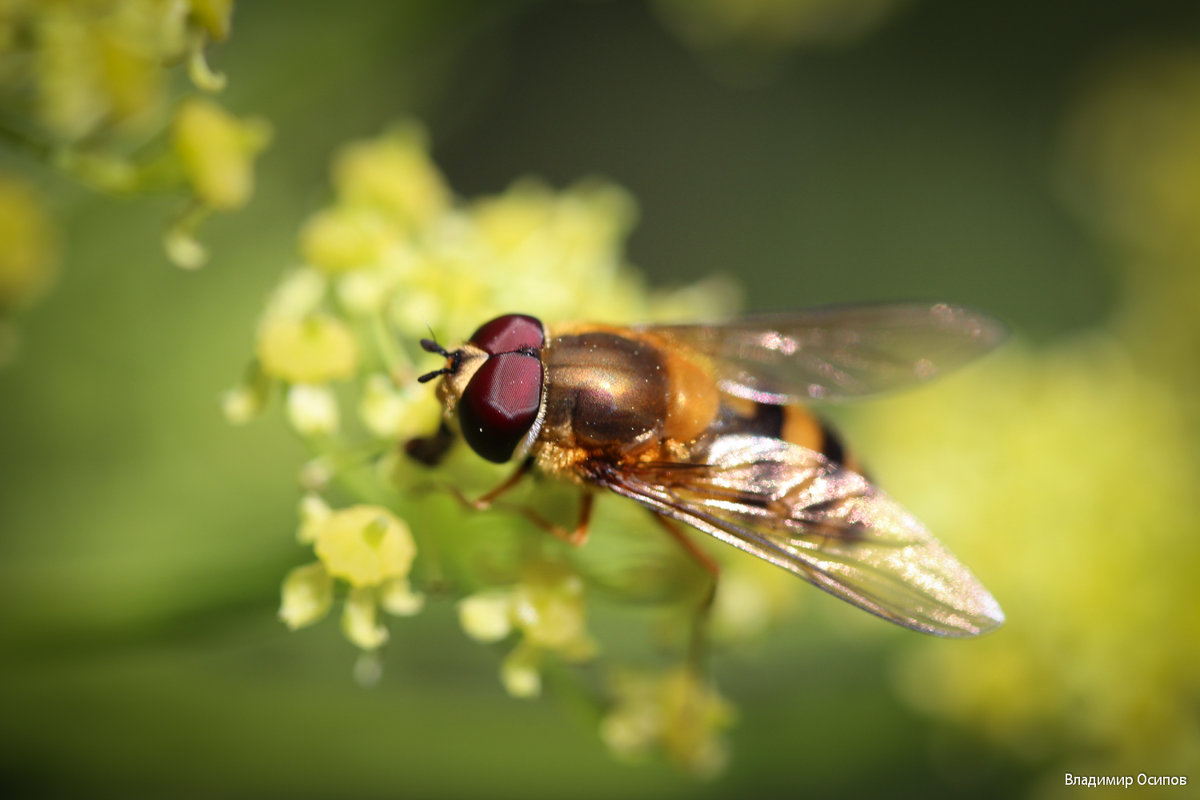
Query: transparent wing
(840,352)
(790,506)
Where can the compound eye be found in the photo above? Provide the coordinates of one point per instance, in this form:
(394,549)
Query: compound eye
(501,404)
(509,333)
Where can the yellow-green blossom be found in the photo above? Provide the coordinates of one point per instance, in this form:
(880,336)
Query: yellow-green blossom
(398,413)
(394,175)
(520,671)
(314,512)
(307,595)
(676,712)
(345,238)
(246,401)
(487,616)
(297,296)
(368,548)
(317,349)
(217,152)
(387,190)
(365,545)
(1078,486)
(1078,466)
(396,596)
(312,410)
(99,64)
(240,405)
(393,259)
(28,256)
(547,607)
(85,86)
(364,293)
(97,67)
(360,622)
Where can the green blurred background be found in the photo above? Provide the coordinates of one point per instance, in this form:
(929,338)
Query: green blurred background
(142,539)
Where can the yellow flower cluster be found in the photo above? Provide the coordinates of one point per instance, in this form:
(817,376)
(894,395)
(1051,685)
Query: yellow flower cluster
(216,151)
(1078,464)
(370,549)
(546,607)
(393,259)
(1072,466)
(396,257)
(97,68)
(86,83)
(677,711)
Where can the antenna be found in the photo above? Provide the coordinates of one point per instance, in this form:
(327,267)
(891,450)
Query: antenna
(430,346)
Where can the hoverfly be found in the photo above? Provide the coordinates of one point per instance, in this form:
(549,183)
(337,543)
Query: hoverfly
(705,424)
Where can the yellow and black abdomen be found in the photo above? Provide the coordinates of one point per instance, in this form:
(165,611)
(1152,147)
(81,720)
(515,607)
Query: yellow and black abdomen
(791,423)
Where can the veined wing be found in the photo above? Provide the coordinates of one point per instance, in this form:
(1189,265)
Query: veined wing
(840,352)
(790,506)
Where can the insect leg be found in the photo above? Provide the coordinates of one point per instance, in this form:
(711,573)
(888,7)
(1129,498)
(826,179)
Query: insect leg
(575,538)
(485,500)
(702,558)
(696,642)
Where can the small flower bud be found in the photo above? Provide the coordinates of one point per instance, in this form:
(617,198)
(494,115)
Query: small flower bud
(342,239)
(394,174)
(548,605)
(676,711)
(519,672)
(183,248)
(314,512)
(217,152)
(315,474)
(486,616)
(312,410)
(307,595)
(363,292)
(240,405)
(244,402)
(297,296)
(390,413)
(359,620)
(398,599)
(317,349)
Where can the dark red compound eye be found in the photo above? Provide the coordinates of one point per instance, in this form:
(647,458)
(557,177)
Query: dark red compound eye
(501,404)
(509,333)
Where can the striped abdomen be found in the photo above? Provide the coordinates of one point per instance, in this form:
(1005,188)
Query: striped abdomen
(791,423)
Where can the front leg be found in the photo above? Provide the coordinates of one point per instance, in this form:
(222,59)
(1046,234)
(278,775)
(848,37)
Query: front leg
(575,537)
(484,501)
